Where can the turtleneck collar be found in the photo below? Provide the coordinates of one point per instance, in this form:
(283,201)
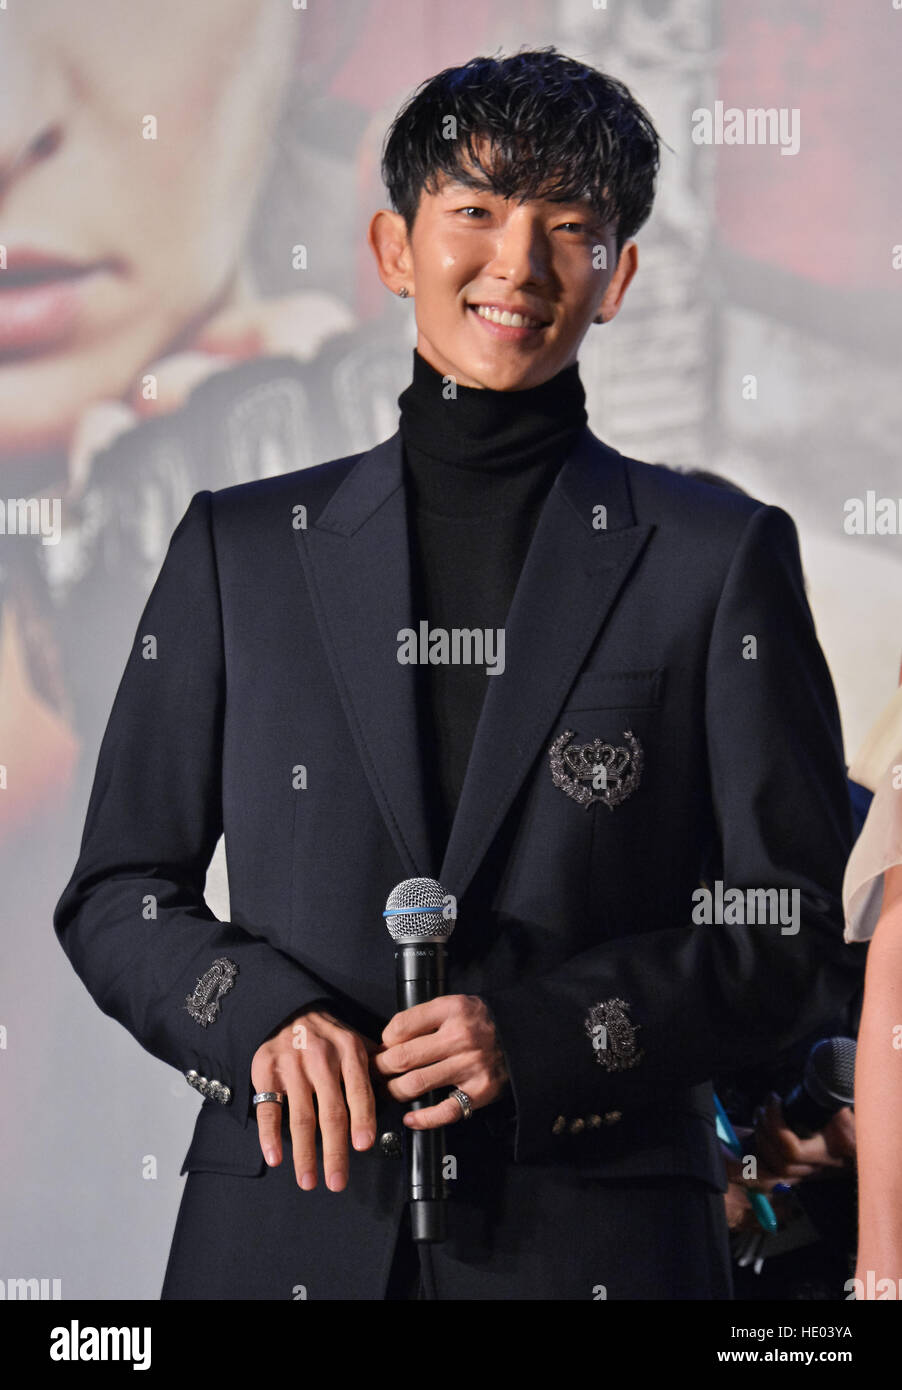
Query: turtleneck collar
(491,431)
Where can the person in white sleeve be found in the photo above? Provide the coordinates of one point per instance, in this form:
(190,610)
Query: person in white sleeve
(872,903)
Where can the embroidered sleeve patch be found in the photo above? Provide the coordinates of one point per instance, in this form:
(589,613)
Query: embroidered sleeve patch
(203,1004)
(613,1035)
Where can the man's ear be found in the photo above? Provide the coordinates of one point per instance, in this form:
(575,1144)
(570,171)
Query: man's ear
(390,244)
(627,265)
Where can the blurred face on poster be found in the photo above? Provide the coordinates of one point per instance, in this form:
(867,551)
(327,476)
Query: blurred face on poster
(134,141)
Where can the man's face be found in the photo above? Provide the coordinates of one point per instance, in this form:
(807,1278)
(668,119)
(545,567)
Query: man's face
(472,253)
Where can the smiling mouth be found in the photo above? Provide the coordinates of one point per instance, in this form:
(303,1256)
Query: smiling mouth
(505,318)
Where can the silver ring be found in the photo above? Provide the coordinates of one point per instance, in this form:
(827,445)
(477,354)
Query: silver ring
(463,1101)
(261,1096)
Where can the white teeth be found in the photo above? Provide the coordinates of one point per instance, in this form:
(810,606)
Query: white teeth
(506,318)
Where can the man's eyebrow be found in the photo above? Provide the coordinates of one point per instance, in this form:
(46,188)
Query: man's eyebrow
(481,183)
(475,185)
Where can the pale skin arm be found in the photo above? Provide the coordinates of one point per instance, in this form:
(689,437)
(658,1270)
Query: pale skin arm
(878,1095)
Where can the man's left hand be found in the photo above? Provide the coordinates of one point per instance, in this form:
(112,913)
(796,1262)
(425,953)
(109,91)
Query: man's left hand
(450,1041)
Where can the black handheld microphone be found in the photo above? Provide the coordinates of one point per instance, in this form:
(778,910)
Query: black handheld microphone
(414,915)
(826,1086)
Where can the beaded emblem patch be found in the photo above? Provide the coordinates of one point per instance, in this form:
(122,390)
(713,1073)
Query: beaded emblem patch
(596,771)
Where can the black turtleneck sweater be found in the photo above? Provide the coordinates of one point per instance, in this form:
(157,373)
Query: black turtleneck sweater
(477,470)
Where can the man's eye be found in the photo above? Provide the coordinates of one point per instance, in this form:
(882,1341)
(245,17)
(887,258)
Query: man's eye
(576,226)
(480,211)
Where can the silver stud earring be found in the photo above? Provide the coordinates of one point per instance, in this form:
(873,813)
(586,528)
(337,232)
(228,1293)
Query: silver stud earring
(403,292)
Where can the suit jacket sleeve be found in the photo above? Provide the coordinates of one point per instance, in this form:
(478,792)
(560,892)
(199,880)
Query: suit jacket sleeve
(132,918)
(704,999)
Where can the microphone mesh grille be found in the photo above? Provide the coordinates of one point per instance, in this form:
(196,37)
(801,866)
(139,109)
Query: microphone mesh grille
(417,926)
(831,1071)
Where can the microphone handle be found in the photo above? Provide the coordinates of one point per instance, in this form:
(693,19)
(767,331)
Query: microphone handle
(420,968)
(804,1115)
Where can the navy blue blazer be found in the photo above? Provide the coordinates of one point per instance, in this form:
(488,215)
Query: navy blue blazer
(263,699)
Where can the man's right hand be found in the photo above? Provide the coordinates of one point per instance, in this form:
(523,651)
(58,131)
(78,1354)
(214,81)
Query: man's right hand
(315,1055)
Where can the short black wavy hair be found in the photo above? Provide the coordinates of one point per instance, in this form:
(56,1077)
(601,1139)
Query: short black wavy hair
(556,128)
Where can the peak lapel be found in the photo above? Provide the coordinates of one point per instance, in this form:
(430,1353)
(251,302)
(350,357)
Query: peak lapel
(571,578)
(357,560)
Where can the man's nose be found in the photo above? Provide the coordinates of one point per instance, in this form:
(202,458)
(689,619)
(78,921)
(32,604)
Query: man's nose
(33,105)
(521,252)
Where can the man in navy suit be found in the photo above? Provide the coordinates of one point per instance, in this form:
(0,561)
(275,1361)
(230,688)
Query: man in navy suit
(648,719)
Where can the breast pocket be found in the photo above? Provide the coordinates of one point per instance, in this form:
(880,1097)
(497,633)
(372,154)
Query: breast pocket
(604,730)
(626,690)
(607,769)
(574,824)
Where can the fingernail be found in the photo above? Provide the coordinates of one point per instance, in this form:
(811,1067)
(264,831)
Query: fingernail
(363,1139)
(271,1157)
(336,1182)
(308,1181)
